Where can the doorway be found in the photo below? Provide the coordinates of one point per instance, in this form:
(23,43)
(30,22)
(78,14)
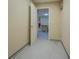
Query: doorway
(42,21)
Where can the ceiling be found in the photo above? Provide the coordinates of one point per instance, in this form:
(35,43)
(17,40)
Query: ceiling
(42,12)
(45,1)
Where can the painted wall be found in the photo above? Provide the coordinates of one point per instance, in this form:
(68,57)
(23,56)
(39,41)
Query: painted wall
(18,24)
(54,19)
(66,25)
(33,23)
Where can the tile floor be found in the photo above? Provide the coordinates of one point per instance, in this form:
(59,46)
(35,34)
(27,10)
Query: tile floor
(42,35)
(42,49)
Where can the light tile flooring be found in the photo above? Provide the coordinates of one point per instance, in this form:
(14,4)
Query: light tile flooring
(42,35)
(43,49)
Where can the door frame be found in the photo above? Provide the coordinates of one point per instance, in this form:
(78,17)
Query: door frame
(29,25)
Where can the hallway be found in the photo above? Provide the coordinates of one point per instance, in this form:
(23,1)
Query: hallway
(42,49)
(23,29)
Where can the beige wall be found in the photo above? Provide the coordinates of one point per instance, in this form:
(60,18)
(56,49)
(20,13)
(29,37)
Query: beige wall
(54,19)
(33,23)
(18,24)
(66,25)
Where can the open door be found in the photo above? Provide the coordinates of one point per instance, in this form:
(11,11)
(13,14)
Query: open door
(33,24)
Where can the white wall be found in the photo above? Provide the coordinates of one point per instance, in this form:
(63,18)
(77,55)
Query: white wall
(18,24)
(54,19)
(66,25)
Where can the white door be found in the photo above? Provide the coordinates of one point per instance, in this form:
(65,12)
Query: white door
(33,26)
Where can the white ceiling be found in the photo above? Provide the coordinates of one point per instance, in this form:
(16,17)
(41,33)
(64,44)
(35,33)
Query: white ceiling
(44,1)
(42,12)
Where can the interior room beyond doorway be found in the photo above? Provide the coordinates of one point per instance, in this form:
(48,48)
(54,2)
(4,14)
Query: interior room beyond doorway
(42,15)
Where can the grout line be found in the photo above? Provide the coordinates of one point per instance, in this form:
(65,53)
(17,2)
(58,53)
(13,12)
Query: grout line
(18,51)
(54,40)
(63,46)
